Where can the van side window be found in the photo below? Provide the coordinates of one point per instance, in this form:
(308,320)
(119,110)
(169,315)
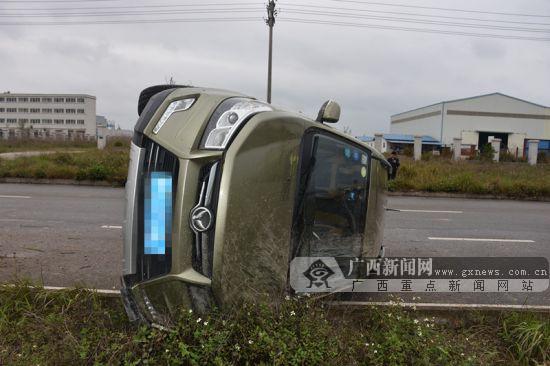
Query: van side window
(331,206)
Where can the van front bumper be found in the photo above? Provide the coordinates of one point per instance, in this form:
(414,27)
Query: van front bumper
(158,301)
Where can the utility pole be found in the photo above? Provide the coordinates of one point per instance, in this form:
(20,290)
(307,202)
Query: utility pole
(270,21)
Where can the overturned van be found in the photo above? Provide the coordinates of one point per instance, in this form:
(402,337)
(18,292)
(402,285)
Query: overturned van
(223,191)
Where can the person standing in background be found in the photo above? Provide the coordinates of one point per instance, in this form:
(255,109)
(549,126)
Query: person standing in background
(394,162)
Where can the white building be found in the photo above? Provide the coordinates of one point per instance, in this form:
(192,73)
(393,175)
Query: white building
(477,120)
(47,115)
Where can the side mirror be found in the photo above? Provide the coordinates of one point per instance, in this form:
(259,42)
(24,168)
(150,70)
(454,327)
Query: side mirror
(329,112)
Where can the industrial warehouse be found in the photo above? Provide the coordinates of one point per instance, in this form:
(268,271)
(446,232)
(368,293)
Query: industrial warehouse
(476,121)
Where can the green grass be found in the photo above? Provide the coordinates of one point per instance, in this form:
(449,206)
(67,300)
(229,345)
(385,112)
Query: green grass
(512,180)
(506,179)
(16,145)
(79,328)
(110,164)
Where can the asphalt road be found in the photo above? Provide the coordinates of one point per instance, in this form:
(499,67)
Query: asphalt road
(67,235)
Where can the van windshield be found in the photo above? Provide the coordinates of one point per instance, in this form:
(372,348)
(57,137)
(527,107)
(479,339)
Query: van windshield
(332,205)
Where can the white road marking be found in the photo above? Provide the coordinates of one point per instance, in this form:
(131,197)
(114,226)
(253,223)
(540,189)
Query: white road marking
(483,239)
(6,196)
(435,306)
(431,211)
(111,227)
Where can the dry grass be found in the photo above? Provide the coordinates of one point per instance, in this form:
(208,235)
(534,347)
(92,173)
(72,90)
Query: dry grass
(512,180)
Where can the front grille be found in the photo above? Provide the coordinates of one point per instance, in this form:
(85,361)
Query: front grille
(157,161)
(203,247)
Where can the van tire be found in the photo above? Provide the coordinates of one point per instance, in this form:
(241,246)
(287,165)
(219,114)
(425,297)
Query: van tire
(147,93)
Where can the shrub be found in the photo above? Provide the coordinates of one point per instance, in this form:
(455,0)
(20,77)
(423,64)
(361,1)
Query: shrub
(527,337)
(97,172)
(486,153)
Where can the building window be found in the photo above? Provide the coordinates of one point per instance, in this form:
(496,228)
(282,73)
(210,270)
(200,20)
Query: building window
(23,120)
(80,111)
(11,110)
(47,121)
(80,121)
(59,100)
(59,110)
(23,99)
(35,121)
(46,110)
(11,120)
(70,111)
(23,110)
(35,100)
(2,99)
(70,100)
(70,122)
(35,110)
(11,99)
(2,120)
(80,100)
(46,100)
(58,121)
(2,110)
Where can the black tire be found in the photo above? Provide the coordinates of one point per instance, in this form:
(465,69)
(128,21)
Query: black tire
(147,93)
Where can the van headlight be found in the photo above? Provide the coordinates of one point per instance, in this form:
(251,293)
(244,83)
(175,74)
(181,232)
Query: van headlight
(176,106)
(227,119)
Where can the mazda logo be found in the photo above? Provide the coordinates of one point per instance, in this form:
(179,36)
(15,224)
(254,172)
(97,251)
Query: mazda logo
(201,219)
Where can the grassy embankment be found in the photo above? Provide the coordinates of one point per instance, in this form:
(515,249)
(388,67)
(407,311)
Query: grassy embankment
(16,145)
(78,328)
(110,164)
(505,179)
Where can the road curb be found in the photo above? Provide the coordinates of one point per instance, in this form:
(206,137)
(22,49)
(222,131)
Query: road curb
(102,292)
(363,304)
(445,306)
(74,182)
(463,195)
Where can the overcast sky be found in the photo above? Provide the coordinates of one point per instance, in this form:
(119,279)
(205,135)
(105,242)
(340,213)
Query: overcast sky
(372,73)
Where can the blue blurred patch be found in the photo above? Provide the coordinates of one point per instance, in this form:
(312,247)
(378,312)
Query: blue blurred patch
(157,212)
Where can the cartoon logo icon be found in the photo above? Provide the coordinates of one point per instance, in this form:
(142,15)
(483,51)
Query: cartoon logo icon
(318,274)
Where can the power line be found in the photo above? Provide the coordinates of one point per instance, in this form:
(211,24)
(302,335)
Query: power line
(414,14)
(55,1)
(444,9)
(136,21)
(418,21)
(135,6)
(128,13)
(420,30)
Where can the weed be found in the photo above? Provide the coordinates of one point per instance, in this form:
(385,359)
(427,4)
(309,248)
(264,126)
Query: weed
(78,327)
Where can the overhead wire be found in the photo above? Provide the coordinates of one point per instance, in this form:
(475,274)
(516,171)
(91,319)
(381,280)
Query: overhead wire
(326,17)
(418,21)
(421,30)
(283,5)
(135,6)
(442,9)
(137,21)
(129,13)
